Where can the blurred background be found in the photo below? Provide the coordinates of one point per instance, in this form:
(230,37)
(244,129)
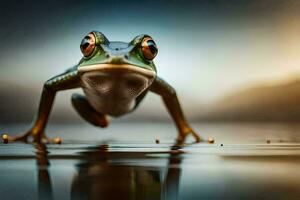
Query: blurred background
(228,60)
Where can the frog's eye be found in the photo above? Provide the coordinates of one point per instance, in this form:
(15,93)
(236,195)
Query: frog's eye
(88,44)
(149,48)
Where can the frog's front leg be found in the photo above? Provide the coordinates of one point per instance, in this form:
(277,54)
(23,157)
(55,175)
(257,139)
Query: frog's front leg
(68,80)
(170,99)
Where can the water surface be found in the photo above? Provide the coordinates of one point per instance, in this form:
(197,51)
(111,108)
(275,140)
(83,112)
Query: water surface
(247,161)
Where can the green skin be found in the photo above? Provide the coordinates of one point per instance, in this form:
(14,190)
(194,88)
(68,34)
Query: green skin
(126,59)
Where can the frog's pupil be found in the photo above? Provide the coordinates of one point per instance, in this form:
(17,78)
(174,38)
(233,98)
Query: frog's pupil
(152,46)
(85,45)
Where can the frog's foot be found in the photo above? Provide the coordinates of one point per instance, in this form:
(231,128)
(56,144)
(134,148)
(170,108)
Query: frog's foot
(22,138)
(184,133)
(87,112)
(36,138)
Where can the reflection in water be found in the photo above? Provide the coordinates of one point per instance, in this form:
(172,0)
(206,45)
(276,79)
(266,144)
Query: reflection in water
(116,175)
(244,167)
(173,177)
(44,179)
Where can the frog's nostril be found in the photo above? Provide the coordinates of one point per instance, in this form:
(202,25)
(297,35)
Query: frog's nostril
(117,49)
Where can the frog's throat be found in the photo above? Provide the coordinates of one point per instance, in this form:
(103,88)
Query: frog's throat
(116,68)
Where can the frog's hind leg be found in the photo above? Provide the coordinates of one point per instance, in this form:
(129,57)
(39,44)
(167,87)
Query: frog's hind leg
(87,112)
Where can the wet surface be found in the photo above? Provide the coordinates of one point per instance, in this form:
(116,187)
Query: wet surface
(247,161)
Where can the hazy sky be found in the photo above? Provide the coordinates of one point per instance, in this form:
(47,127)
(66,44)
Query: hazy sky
(206,48)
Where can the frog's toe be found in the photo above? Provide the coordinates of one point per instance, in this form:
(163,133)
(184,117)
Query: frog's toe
(196,137)
(182,136)
(103,121)
(211,140)
(55,140)
(6,138)
(180,140)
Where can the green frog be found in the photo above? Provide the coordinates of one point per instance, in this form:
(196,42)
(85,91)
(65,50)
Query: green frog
(115,77)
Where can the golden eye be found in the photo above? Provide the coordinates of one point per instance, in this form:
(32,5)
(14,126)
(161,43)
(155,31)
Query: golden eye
(88,44)
(149,48)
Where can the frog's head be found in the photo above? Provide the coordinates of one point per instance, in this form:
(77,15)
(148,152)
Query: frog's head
(130,63)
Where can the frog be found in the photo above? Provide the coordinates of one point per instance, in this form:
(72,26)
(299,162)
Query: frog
(115,77)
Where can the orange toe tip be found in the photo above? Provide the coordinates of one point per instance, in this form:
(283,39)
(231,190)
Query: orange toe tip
(5,138)
(57,140)
(103,122)
(211,140)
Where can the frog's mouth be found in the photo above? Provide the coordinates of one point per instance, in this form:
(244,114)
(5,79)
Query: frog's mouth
(116,69)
